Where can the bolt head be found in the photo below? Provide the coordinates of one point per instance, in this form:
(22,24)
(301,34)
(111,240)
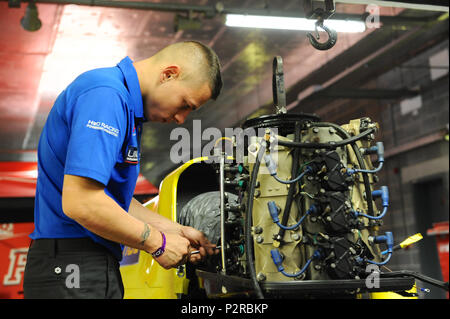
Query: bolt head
(258,230)
(261,277)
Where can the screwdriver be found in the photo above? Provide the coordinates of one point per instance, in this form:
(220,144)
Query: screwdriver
(198,251)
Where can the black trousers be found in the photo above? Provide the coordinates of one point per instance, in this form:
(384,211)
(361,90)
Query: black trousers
(71,268)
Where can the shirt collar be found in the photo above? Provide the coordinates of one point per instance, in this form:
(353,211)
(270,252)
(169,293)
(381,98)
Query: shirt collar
(132,81)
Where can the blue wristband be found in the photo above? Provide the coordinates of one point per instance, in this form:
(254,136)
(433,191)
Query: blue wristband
(161,249)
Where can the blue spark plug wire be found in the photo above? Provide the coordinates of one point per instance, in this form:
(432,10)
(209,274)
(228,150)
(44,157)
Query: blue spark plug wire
(388,239)
(379,148)
(384,194)
(273,210)
(278,261)
(271,166)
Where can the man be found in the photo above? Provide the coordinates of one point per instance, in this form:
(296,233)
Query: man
(88,164)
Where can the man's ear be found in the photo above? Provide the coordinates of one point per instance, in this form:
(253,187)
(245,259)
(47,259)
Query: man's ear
(169,73)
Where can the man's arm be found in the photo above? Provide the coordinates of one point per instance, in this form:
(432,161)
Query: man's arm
(156,220)
(85,201)
(196,238)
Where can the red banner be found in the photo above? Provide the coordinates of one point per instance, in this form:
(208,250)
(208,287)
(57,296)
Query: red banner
(14,243)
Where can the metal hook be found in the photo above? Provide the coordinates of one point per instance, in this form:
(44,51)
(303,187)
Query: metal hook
(332,37)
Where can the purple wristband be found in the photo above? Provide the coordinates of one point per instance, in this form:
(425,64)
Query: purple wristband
(161,249)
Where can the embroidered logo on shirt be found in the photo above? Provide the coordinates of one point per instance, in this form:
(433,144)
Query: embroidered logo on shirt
(132,155)
(103,127)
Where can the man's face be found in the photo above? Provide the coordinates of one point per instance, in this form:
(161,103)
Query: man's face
(173,100)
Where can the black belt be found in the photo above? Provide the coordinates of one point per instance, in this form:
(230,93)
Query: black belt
(67,244)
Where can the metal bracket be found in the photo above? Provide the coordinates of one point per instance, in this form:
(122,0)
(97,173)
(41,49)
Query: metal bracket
(279,92)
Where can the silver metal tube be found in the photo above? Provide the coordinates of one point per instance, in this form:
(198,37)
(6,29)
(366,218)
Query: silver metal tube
(222,210)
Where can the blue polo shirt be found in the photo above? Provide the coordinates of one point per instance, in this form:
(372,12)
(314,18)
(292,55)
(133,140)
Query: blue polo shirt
(93,130)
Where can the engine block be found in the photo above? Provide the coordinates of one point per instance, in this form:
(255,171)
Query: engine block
(314,231)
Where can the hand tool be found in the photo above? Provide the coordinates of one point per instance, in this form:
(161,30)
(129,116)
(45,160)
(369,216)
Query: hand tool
(198,251)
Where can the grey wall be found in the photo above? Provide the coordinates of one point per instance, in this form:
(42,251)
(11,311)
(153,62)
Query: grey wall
(417,169)
(417,155)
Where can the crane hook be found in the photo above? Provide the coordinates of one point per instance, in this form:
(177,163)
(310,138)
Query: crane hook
(332,37)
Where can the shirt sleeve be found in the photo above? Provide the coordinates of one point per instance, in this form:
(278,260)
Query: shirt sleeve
(97,132)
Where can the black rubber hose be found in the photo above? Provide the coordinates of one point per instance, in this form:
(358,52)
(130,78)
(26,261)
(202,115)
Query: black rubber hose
(365,180)
(248,233)
(327,145)
(345,135)
(293,187)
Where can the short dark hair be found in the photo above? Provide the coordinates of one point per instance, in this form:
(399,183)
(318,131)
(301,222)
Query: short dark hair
(213,75)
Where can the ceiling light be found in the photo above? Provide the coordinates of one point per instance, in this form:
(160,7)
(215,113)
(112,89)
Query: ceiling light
(287,23)
(30,20)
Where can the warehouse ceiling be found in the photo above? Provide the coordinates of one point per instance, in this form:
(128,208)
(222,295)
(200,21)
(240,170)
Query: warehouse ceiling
(36,66)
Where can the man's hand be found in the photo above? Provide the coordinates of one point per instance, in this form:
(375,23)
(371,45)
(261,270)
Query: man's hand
(199,241)
(176,252)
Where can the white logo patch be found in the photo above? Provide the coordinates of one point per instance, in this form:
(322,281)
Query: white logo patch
(103,127)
